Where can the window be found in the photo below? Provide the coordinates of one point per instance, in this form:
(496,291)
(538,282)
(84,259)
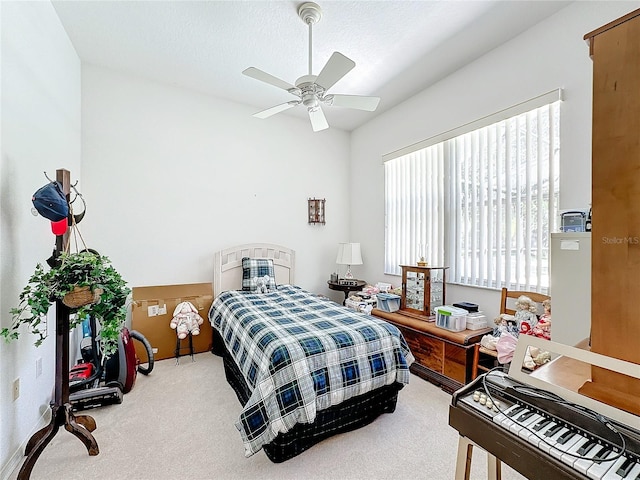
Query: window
(482,200)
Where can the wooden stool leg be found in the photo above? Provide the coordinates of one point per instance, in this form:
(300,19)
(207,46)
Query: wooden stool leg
(463,460)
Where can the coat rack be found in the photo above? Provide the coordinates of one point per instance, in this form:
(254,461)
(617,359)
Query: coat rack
(61,413)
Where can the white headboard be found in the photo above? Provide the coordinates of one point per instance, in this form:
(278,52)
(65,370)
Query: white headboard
(227,264)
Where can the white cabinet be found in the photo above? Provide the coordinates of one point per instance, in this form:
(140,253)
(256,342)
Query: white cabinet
(570,288)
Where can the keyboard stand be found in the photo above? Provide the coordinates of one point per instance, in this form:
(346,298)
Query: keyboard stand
(463,461)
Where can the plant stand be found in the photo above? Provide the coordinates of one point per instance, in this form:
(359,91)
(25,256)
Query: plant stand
(61,414)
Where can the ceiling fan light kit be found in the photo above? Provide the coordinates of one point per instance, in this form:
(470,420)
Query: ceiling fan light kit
(311,89)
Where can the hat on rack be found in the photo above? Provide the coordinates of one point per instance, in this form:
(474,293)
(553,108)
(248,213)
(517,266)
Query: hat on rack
(50,202)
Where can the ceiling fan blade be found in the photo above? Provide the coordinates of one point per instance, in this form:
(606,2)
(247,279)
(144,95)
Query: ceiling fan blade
(318,120)
(258,74)
(358,102)
(277,109)
(336,68)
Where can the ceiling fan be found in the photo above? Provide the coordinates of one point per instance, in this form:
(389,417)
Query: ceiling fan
(310,89)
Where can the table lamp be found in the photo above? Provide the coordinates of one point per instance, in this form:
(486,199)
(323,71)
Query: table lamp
(349,254)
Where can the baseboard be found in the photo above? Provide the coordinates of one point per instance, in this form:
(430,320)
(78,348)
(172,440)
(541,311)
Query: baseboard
(18,456)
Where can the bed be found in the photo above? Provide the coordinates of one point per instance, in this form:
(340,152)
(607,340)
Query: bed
(303,367)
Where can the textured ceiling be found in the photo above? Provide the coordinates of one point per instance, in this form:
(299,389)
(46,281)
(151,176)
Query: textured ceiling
(399,47)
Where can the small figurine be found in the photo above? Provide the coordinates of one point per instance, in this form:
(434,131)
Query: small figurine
(534,357)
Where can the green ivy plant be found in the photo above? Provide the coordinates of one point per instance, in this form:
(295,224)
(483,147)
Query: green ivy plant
(84,269)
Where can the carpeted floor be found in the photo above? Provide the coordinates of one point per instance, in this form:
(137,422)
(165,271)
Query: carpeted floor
(178,423)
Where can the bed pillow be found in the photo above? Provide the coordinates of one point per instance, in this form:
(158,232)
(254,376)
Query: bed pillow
(254,269)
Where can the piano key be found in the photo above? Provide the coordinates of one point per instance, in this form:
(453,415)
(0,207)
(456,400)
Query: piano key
(599,469)
(517,424)
(565,437)
(537,437)
(515,428)
(604,452)
(550,441)
(525,416)
(553,430)
(634,474)
(586,448)
(539,426)
(583,464)
(624,469)
(532,420)
(526,432)
(565,442)
(514,410)
(619,469)
(569,457)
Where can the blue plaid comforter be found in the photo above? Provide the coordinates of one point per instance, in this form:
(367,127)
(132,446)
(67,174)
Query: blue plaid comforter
(301,354)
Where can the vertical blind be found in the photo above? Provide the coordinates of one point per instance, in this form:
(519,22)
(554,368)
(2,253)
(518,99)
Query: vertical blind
(482,202)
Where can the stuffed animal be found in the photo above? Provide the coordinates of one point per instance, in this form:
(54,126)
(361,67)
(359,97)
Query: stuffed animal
(526,317)
(186,320)
(262,284)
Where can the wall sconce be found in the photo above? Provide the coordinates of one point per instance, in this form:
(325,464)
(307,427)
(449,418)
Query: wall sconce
(316,211)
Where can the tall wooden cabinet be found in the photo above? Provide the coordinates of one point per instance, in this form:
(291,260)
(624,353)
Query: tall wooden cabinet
(615,260)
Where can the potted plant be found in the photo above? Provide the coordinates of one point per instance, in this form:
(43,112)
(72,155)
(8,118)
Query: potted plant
(72,276)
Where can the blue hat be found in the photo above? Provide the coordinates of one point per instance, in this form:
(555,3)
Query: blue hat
(50,202)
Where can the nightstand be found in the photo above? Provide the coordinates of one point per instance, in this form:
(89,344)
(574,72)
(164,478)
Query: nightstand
(356,287)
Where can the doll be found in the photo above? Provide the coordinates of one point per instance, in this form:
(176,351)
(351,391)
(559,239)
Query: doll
(504,323)
(543,327)
(526,317)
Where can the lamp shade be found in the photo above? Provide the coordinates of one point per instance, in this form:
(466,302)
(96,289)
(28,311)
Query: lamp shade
(349,254)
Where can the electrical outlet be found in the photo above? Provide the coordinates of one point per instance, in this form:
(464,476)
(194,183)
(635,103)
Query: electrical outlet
(154,350)
(38,367)
(16,388)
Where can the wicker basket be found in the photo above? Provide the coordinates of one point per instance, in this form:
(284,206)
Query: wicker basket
(81,296)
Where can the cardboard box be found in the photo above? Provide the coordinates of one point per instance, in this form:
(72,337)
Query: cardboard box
(152,312)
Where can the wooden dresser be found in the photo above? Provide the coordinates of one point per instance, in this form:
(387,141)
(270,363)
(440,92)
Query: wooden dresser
(443,357)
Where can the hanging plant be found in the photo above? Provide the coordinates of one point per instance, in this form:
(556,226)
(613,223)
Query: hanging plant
(88,271)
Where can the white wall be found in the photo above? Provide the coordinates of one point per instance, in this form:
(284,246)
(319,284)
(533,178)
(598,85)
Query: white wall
(40,104)
(550,55)
(172,175)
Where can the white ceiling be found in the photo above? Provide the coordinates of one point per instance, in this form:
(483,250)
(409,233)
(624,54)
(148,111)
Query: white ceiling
(400,47)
